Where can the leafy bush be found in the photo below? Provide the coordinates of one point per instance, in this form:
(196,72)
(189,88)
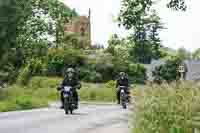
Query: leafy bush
(167,72)
(100,68)
(58,58)
(108,67)
(44,82)
(137,73)
(24,75)
(93,77)
(8,74)
(165,109)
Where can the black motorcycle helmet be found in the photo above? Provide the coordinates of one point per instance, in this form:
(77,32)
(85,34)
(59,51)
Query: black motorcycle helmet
(70,73)
(122,75)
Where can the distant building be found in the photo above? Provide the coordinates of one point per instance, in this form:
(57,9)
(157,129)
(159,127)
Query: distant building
(80,25)
(192,67)
(193,70)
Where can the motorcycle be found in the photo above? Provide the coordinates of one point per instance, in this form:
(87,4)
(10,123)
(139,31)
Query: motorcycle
(69,102)
(123,97)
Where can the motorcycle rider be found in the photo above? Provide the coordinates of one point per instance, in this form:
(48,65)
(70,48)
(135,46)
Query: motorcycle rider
(70,79)
(122,81)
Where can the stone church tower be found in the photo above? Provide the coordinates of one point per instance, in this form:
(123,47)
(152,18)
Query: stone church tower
(80,25)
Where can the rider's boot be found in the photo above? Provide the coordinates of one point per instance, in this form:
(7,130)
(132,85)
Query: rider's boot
(118,102)
(76,102)
(62,106)
(62,101)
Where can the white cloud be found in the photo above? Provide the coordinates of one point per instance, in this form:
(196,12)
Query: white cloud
(183,27)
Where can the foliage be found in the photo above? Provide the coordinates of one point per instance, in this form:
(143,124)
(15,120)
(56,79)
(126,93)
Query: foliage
(33,67)
(24,76)
(177,5)
(167,72)
(165,109)
(91,76)
(137,73)
(59,58)
(76,41)
(143,21)
(106,67)
(35,94)
(183,54)
(21,98)
(119,47)
(141,18)
(99,92)
(97,46)
(25,27)
(42,90)
(196,54)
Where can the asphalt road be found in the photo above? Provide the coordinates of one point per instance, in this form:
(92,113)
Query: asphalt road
(88,119)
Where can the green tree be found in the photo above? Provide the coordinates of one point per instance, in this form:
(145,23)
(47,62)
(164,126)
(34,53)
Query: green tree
(25,27)
(177,5)
(12,16)
(196,54)
(183,54)
(140,17)
(167,72)
(143,20)
(112,43)
(120,47)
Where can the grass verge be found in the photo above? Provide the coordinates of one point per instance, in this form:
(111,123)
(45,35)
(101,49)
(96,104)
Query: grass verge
(165,108)
(42,90)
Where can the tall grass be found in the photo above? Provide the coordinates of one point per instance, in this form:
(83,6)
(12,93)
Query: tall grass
(98,92)
(42,90)
(165,108)
(18,98)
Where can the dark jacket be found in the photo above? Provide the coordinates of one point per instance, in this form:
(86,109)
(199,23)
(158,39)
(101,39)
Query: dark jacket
(122,82)
(74,83)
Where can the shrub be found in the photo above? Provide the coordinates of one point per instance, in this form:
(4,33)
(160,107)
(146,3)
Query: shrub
(167,72)
(109,67)
(21,98)
(94,77)
(24,75)
(37,66)
(59,58)
(44,82)
(137,73)
(98,92)
(165,109)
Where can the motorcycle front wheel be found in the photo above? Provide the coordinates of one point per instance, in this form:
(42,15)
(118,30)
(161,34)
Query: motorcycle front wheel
(123,101)
(66,105)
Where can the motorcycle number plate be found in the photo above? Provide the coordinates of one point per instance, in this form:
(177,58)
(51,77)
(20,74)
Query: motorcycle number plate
(122,91)
(67,88)
(65,95)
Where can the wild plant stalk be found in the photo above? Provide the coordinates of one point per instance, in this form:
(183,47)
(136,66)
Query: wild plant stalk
(165,108)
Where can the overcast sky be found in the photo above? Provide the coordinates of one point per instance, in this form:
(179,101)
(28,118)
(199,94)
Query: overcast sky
(183,28)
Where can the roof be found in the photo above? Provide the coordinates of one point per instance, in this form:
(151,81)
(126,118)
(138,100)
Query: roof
(193,68)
